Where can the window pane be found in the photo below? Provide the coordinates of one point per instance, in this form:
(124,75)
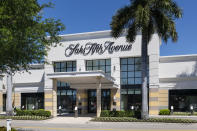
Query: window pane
(130,67)
(63,65)
(130,74)
(69,69)
(131,61)
(89,63)
(89,68)
(123,61)
(102,68)
(108,68)
(131,81)
(130,91)
(137,91)
(58,84)
(137,67)
(95,68)
(74,63)
(108,62)
(138,74)
(123,91)
(63,84)
(123,74)
(102,62)
(63,69)
(137,60)
(124,81)
(74,68)
(138,80)
(108,73)
(95,62)
(69,92)
(63,92)
(57,65)
(57,70)
(123,68)
(69,64)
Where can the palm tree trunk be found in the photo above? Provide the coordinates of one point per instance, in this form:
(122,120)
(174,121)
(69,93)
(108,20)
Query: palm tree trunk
(144,62)
(9,95)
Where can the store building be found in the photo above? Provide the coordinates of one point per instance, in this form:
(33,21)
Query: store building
(95,72)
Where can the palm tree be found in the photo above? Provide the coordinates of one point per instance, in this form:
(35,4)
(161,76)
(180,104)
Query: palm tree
(147,17)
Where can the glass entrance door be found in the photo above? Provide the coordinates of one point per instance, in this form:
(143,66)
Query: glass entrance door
(66,100)
(92,101)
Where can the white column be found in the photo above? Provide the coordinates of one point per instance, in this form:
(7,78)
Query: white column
(98,95)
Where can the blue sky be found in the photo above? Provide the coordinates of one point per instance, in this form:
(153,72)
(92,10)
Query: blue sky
(95,15)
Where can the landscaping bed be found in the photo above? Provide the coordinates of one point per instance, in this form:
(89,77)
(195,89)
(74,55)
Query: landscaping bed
(29,115)
(5,129)
(25,117)
(131,119)
(167,112)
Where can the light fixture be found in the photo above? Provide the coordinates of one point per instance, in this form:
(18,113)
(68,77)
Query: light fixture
(172,108)
(114,98)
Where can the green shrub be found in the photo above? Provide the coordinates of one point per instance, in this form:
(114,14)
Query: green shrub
(164,112)
(129,114)
(120,114)
(137,114)
(40,112)
(24,117)
(112,113)
(5,129)
(105,113)
(184,113)
(131,119)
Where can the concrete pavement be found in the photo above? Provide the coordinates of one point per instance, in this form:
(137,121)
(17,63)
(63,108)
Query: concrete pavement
(83,124)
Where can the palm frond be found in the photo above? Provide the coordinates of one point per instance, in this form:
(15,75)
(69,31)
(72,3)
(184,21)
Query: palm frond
(120,21)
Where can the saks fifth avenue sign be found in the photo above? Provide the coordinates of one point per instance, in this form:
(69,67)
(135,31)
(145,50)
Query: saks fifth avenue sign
(95,48)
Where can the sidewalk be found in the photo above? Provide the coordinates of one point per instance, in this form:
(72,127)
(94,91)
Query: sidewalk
(174,116)
(68,120)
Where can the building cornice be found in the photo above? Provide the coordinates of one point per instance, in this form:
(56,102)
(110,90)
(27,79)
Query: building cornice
(87,35)
(178,58)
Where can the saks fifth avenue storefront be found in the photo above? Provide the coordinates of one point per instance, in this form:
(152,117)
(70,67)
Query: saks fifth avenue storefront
(95,72)
(103,72)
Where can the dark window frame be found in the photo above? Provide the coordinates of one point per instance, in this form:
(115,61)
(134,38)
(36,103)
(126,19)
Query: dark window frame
(66,67)
(105,65)
(127,71)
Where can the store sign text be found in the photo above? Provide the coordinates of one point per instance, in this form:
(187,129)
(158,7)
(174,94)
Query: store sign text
(92,48)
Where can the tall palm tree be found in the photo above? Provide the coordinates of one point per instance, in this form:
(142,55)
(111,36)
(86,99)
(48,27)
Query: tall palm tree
(147,17)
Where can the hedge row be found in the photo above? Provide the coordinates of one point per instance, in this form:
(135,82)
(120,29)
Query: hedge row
(5,129)
(130,119)
(24,117)
(164,112)
(40,112)
(184,113)
(167,112)
(107,113)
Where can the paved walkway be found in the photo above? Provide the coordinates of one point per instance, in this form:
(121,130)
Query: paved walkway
(68,120)
(83,124)
(174,116)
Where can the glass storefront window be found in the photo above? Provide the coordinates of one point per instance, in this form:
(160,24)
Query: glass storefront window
(66,66)
(102,64)
(66,99)
(4,102)
(30,100)
(183,99)
(130,69)
(130,97)
(105,100)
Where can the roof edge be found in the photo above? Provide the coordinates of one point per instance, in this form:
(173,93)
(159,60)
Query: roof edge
(189,57)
